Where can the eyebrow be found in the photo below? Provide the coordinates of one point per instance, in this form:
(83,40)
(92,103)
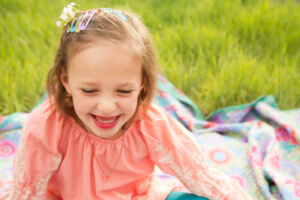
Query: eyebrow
(119,85)
(126,84)
(87,83)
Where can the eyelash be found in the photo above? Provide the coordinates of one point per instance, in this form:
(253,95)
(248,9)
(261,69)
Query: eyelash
(120,91)
(125,91)
(88,91)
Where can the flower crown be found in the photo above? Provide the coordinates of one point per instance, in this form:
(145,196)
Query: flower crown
(80,23)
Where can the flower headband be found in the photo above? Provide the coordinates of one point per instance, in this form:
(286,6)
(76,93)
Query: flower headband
(80,23)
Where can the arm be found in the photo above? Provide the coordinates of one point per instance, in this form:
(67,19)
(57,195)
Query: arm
(36,160)
(176,153)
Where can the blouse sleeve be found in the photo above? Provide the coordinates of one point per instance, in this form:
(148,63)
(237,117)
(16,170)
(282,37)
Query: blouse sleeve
(175,152)
(37,157)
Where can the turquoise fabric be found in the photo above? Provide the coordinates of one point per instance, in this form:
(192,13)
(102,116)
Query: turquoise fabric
(175,195)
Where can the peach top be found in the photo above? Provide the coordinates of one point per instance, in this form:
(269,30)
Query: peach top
(55,160)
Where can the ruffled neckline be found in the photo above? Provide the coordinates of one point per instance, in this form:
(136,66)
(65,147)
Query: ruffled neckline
(81,131)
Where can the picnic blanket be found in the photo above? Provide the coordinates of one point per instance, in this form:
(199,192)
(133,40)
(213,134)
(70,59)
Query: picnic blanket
(257,144)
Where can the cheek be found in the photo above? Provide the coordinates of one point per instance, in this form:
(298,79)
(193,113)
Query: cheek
(81,104)
(129,104)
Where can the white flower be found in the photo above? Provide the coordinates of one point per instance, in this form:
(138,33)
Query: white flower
(58,23)
(72,14)
(68,12)
(64,17)
(65,11)
(70,7)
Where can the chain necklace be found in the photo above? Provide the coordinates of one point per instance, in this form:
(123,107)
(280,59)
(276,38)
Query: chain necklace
(113,168)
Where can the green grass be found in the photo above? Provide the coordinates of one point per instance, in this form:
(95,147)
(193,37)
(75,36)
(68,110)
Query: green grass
(220,53)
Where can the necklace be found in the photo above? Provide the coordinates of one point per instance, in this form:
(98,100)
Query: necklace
(113,168)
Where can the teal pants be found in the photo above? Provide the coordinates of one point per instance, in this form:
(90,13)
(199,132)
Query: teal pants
(175,195)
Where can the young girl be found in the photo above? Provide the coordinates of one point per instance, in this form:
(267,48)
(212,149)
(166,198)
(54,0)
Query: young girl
(98,136)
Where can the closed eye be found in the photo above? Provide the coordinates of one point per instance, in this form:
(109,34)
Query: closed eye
(88,91)
(125,91)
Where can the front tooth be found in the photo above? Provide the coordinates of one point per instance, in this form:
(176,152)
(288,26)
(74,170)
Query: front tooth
(105,121)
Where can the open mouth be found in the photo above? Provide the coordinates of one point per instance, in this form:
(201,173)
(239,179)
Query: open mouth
(106,122)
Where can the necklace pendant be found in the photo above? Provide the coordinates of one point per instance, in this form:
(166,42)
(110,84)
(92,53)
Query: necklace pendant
(107,175)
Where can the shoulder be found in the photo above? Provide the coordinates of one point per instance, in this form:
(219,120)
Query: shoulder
(157,121)
(159,129)
(45,125)
(45,111)
(45,116)
(155,113)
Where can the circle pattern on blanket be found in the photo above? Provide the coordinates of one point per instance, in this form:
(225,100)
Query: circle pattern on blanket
(219,156)
(7,149)
(289,167)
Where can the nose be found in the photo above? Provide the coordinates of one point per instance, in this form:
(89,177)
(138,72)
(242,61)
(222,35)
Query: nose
(107,105)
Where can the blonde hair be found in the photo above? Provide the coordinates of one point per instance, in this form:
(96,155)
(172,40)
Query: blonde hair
(108,27)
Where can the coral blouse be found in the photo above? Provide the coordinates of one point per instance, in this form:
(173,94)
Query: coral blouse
(57,159)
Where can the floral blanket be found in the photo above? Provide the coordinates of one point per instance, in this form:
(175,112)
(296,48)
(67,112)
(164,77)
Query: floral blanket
(257,144)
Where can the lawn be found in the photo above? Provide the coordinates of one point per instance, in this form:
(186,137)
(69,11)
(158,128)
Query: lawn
(219,52)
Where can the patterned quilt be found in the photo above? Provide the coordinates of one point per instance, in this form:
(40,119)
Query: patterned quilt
(256,144)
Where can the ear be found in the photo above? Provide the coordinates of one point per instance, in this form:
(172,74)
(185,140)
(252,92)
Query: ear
(65,81)
(142,84)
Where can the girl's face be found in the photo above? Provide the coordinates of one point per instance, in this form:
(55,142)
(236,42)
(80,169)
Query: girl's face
(104,80)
